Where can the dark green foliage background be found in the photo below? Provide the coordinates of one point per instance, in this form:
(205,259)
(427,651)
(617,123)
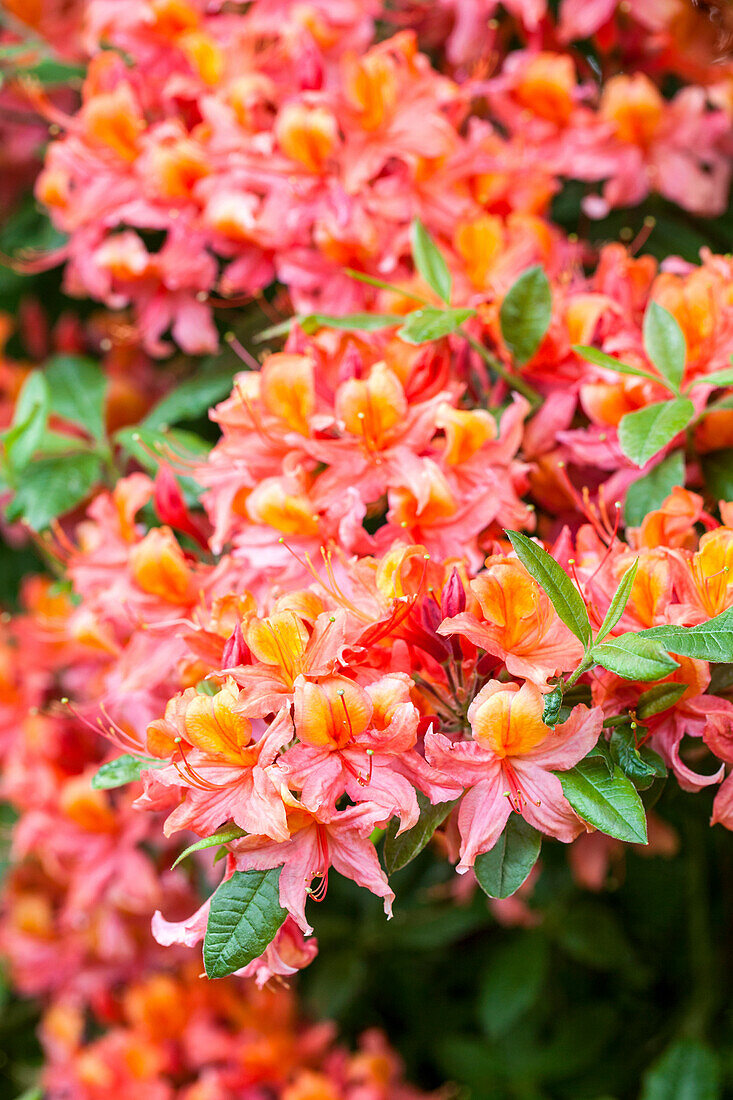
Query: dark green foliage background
(579,1006)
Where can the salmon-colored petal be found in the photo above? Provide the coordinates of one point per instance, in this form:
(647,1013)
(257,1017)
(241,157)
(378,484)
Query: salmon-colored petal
(572,741)
(482,815)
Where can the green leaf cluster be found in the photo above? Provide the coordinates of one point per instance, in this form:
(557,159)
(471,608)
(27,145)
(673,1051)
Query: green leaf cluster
(603,788)
(51,471)
(648,431)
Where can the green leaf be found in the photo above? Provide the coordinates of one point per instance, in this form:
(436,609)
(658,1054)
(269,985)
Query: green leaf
(348,322)
(52,73)
(643,434)
(526,313)
(658,699)
(664,343)
(609,802)
(125,769)
(634,657)
(654,761)
(501,871)
(710,641)
(77,389)
(244,918)
(62,443)
(618,603)
(221,836)
(600,359)
(273,332)
(191,399)
(401,850)
(512,982)
(370,280)
(429,261)
(351,322)
(715,378)
(641,768)
(602,751)
(551,706)
(650,492)
(551,577)
(30,417)
(430,323)
(53,486)
(717,468)
(688,1070)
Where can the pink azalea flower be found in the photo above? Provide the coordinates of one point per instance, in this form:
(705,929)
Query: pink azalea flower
(319,839)
(508,765)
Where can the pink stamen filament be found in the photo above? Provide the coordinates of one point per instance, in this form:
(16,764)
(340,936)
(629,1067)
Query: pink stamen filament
(321,873)
(515,794)
(582,503)
(189,774)
(345,709)
(112,732)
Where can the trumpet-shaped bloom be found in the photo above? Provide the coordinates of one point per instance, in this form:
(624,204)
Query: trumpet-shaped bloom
(508,765)
(517,623)
(224,773)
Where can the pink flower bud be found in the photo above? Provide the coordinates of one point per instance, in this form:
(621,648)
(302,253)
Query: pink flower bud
(453,601)
(236,651)
(429,374)
(172,508)
(431,615)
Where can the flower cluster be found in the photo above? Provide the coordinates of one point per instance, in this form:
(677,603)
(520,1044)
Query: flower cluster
(170,1037)
(217,151)
(77,903)
(318,681)
(345,636)
(450,565)
(87,872)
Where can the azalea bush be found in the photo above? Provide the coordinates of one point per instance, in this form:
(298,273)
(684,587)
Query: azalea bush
(367,519)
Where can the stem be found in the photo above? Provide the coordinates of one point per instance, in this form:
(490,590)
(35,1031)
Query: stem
(105,452)
(444,704)
(512,380)
(362,277)
(723,403)
(584,665)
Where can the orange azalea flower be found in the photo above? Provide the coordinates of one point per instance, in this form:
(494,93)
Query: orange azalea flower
(518,623)
(222,770)
(704,579)
(160,568)
(673,524)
